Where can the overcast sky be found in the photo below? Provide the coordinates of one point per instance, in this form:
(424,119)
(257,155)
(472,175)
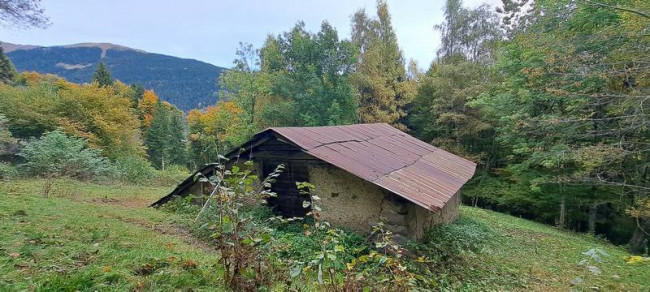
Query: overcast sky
(210,30)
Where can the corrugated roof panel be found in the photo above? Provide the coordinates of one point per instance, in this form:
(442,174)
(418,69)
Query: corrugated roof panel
(361,159)
(441,186)
(360,136)
(355,151)
(344,162)
(384,155)
(343,135)
(297,137)
(373,132)
(409,193)
(404,154)
(403,143)
(387,157)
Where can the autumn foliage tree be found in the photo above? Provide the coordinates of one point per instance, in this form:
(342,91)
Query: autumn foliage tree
(215,130)
(147,106)
(102,115)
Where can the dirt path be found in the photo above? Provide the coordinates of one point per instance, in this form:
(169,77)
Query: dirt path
(171,229)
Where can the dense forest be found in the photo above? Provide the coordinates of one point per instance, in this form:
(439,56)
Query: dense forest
(185,83)
(549,98)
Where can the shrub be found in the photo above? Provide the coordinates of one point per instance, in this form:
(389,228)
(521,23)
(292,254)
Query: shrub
(7,171)
(133,169)
(235,234)
(450,244)
(182,205)
(172,175)
(57,154)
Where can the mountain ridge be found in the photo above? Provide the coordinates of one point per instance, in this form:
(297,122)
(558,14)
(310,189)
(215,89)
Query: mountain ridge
(186,83)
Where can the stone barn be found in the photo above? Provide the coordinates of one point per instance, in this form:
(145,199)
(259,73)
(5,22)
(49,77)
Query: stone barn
(364,174)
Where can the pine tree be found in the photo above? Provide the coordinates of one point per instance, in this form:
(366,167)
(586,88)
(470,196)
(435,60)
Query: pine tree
(102,76)
(177,140)
(165,139)
(7,70)
(381,80)
(137,93)
(157,136)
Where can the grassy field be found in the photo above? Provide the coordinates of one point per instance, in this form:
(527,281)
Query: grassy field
(92,237)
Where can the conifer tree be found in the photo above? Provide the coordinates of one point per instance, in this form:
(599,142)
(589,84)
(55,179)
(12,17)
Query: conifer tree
(102,76)
(165,139)
(157,136)
(177,140)
(381,80)
(7,70)
(138,93)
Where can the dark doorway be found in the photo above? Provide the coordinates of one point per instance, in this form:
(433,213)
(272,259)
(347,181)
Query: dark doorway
(288,202)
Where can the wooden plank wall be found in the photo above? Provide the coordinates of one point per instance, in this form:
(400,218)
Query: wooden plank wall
(269,155)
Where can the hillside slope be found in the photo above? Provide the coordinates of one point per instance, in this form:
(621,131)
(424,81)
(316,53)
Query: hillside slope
(186,83)
(97,237)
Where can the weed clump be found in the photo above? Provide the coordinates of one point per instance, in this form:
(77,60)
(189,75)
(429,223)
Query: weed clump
(448,245)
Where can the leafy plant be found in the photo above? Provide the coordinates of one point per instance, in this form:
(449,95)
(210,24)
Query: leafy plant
(382,266)
(182,205)
(448,245)
(133,169)
(7,171)
(592,257)
(57,154)
(234,232)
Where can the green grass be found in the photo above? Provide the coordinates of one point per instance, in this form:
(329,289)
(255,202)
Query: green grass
(531,256)
(91,237)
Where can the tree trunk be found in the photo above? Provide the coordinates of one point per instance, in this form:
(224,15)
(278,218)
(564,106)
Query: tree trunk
(561,222)
(593,215)
(639,240)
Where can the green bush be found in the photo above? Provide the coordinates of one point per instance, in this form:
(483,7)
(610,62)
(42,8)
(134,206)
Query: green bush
(172,175)
(453,243)
(133,169)
(7,171)
(138,170)
(57,154)
(183,205)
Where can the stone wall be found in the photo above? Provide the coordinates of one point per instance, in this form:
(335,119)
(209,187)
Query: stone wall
(346,200)
(351,202)
(420,219)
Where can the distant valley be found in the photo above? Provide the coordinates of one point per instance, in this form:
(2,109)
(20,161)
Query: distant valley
(186,83)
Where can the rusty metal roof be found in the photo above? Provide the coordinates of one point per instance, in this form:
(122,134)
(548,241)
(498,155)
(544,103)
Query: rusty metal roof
(415,170)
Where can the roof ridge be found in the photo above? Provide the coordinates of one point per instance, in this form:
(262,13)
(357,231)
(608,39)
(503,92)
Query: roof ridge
(312,127)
